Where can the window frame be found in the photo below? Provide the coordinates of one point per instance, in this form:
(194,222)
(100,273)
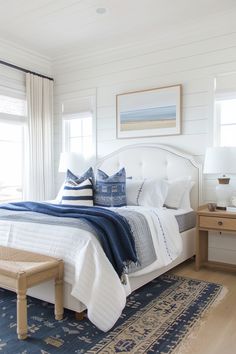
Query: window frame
(221,98)
(19,120)
(66,130)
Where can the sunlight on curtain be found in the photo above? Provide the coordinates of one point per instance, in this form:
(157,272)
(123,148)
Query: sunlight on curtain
(40,129)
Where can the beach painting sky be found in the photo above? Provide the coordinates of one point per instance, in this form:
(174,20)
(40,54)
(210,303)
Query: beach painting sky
(151,112)
(149,118)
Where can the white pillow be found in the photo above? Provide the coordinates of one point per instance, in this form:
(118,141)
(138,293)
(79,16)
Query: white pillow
(60,194)
(146,192)
(185,201)
(176,190)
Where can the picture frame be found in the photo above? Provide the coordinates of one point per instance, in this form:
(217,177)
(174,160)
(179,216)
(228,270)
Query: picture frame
(151,112)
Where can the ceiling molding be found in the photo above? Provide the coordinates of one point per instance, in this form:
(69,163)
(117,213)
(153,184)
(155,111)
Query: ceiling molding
(206,29)
(213,26)
(18,55)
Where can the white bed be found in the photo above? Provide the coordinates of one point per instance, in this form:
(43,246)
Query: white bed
(158,161)
(142,161)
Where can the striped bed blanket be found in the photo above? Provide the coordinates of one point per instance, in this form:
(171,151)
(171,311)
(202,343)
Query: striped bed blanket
(94,281)
(137,255)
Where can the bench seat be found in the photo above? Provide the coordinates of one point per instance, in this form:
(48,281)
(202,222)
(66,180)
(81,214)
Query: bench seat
(21,270)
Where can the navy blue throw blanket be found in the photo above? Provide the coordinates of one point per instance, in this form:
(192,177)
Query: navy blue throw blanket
(112,229)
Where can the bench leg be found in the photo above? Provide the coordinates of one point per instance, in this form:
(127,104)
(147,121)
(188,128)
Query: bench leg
(59,308)
(21,315)
(79,316)
(22,327)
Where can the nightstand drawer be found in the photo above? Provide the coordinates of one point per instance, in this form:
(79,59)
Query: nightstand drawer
(217,223)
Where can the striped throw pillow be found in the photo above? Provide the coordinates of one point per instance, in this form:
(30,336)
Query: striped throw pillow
(78,193)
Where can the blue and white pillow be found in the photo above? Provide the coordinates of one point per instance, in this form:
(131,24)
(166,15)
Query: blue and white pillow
(78,193)
(78,179)
(110,191)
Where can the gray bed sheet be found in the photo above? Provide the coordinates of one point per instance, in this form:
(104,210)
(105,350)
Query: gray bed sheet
(186,221)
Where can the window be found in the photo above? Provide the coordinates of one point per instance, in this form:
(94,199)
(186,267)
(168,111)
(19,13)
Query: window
(78,134)
(12,105)
(79,130)
(12,132)
(225,109)
(226,122)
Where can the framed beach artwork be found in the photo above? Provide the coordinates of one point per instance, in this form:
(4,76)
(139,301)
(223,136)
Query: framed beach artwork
(149,113)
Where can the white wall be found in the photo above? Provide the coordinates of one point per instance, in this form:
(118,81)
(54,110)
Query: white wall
(193,60)
(14,80)
(25,58)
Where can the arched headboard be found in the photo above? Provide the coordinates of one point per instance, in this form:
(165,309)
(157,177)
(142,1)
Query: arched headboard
(155,161)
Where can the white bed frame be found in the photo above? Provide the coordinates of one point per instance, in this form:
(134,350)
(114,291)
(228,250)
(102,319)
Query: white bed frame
(140,161)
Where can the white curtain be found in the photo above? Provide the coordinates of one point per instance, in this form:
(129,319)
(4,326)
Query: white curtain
(40,181)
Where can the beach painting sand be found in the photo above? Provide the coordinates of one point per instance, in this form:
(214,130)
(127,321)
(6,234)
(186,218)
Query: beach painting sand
(149,113)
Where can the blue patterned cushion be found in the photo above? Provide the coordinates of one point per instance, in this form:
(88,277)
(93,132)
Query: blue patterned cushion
(110,191)
(78,179)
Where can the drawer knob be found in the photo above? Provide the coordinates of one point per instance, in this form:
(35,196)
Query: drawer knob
(220,223)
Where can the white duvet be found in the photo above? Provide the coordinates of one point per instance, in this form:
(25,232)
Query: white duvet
(94,281)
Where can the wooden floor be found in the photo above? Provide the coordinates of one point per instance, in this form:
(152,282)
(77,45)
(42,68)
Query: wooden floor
(217,335)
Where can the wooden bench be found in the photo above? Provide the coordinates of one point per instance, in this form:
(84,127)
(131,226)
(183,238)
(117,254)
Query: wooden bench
(20,270)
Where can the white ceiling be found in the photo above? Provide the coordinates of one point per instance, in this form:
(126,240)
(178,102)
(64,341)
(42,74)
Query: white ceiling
(57,27)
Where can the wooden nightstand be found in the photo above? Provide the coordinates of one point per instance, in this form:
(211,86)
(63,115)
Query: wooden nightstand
(212,221)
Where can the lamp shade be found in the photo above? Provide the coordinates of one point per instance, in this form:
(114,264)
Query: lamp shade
(220,160)
(72,161)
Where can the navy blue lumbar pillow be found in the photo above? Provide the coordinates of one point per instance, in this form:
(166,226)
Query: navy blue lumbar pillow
(89,174)
(110,191)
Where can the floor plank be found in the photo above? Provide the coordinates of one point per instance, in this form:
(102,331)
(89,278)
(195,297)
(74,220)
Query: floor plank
(217,334)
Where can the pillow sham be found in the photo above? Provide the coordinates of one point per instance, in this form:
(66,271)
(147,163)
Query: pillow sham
(176,190)
(110,191)
(78,179)
(78,193)
(146,192)
(89,174)
(185,201)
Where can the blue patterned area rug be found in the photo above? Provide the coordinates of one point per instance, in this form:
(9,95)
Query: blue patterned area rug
(157,317)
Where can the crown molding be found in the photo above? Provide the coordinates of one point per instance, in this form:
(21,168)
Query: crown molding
(22,56)
(194,32)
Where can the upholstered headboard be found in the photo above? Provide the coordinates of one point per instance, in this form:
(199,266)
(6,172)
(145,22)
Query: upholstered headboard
(155,161)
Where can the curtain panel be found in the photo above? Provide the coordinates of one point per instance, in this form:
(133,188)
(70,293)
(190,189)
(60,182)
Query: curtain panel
(40,181)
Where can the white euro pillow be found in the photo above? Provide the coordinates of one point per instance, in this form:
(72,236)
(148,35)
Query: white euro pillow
(178,195)
(186,200)
(146,192)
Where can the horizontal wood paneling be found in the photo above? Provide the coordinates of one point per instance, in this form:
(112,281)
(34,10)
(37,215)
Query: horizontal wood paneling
(26,58)
(192,62)
(149,51)
(222,255)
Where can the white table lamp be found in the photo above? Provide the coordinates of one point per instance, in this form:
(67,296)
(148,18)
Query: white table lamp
(73,161)
(221,161)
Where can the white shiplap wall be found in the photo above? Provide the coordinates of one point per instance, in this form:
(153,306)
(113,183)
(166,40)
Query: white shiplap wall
(193,64)
(192,61)
(12,79)
(25,58)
